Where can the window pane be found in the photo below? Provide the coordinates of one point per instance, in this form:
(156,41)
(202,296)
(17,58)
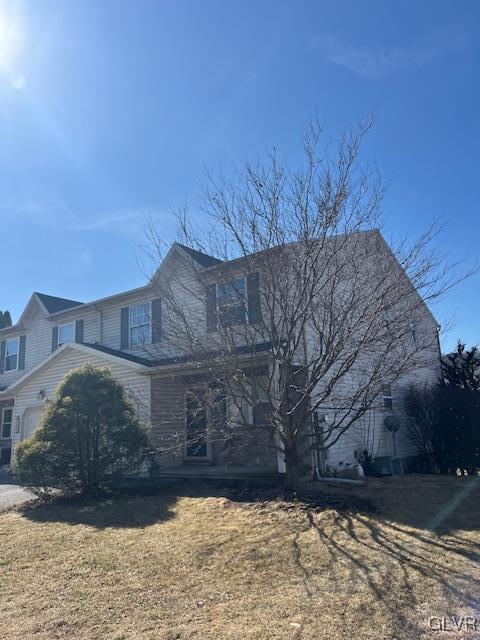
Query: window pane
(66,333)
(11,354)
(11,347)
(7,423)
(261,412)
(232,292)
(139,335)
(140,314)
(231,302)
(387,403)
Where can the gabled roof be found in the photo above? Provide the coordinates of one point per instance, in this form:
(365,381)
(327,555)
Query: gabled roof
(53,304)
(203,259)
(116,356)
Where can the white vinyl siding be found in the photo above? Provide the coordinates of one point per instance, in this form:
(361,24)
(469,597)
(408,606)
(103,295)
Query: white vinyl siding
(38,331)
(47,380)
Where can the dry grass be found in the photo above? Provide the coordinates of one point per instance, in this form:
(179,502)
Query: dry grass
(183,565)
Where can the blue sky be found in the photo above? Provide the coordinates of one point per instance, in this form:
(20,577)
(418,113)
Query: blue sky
(109,111)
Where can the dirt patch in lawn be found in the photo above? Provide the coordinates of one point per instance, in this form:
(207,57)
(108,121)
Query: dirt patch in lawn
(228,562)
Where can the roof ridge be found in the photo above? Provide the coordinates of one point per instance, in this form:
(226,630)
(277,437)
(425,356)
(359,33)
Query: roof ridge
(204,259)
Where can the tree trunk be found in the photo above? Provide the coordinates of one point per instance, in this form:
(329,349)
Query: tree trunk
(292,472)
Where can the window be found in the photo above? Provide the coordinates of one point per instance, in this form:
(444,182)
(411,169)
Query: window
(413,332)
(140,332)
(11,354)
(387,398)
(231,302)
(7,415)
(66,333)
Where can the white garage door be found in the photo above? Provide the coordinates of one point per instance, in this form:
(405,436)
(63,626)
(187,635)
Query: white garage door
(32,419)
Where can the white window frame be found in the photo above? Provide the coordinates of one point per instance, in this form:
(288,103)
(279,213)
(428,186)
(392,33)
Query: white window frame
(15,368)
(218,306)
(60,327)
(134,326)
(4,410)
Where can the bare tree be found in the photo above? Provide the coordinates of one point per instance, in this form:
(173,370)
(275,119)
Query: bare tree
(310,314)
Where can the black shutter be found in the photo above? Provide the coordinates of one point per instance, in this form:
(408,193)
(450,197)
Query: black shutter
(211,297)
(54,338)
(21,353)
(254,303)
(156,320)
(124,328)
(3,347)
(79,325)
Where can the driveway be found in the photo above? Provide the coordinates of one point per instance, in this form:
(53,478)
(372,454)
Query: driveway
(11,494)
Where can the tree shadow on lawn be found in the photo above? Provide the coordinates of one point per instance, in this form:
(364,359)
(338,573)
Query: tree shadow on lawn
(389,554)
(429,503)
(119,509)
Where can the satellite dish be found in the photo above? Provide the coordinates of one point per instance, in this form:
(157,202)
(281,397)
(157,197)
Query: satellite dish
(392,423)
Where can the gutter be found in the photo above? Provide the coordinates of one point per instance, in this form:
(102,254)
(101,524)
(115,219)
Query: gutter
(167,370)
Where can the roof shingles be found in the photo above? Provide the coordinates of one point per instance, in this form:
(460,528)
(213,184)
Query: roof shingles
(53,304)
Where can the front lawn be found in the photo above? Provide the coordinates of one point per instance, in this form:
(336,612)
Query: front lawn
(374,562)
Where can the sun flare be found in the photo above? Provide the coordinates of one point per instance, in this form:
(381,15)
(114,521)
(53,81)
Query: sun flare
(10,37)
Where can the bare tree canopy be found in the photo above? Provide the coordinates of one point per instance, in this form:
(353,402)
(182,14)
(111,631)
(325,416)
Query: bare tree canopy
(310,314)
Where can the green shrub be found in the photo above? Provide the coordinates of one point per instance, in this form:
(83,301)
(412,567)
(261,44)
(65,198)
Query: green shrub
(88,437)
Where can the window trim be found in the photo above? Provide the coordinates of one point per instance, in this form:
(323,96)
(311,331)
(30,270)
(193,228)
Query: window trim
(2,425)
(61,326)
(130,326)
(15,368)
(245,302)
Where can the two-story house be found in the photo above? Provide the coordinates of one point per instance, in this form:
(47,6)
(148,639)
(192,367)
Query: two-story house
(125,332)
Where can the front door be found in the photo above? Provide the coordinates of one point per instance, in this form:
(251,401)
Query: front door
(197,446)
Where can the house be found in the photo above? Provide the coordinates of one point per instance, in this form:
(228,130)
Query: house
(128,333)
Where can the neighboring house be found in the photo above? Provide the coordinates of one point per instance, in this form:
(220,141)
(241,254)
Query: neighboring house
(124,333)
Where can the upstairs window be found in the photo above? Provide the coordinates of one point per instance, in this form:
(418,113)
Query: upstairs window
(387,398)
(140,327)
(66,333)
(231,302)
(413,332)
(11,354)
(6,427)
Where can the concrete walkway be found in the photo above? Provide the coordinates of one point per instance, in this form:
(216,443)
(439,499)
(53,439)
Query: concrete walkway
(11,494)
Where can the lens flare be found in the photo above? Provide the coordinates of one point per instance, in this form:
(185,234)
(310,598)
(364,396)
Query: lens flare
(10,37)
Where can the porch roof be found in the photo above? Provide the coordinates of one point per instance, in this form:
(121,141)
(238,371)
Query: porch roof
(193,363)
